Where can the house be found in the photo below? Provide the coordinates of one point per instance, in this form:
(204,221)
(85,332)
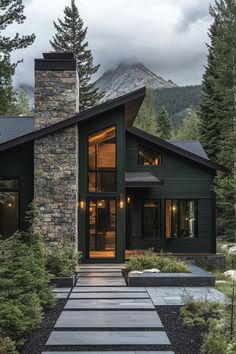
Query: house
(100,183)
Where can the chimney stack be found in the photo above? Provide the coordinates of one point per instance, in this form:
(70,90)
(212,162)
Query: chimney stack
(56,88)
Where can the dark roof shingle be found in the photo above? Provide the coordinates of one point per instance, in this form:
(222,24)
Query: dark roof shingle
(13,127)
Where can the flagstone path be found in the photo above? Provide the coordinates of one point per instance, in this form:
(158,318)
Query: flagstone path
(103,315)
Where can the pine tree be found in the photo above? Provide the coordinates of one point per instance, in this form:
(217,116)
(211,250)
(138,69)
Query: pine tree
(146,118)
(10,11)
(22,106)
(218,109)
(189,128)
(164,128)
(71,37)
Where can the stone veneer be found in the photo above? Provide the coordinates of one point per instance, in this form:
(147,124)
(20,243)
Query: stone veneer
(56,155)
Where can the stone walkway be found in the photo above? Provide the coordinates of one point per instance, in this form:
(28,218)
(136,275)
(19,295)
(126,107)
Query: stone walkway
(103,315)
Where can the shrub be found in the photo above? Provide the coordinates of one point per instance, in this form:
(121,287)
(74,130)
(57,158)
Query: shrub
(62,260)
(164,262)
(7,346)
(215,341)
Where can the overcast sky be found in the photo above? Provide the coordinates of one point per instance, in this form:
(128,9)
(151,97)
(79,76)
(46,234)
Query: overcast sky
(168,36)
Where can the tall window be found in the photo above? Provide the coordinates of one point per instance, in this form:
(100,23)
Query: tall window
(102,161)
(9,206)
(148,157)
(181,218)
(151,219)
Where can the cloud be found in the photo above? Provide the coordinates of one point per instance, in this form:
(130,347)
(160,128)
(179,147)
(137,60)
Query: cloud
(168,36)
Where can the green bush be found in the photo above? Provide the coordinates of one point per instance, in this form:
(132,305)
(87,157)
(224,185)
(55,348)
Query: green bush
(164,262)
(24,286)
(216,340)
(62,260)
(7,346)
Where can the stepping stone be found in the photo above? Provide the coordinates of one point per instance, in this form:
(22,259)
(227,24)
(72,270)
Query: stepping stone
(61,295)
(98,270)
(113,352)
(100,274)
(112,295)
(92,289)
(128,304)
(108,338)
(109,319)
(101,281)
(61,290)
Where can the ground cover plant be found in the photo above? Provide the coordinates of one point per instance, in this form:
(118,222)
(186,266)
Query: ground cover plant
(166,263)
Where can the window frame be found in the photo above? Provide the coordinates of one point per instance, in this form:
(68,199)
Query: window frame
(150,166)
(178,200)
(105,170)
(14,190)
(160,218)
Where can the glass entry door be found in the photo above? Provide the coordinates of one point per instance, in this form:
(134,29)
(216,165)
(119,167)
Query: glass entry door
(101,228)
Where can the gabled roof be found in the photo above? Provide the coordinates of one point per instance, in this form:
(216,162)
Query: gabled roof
(131,103)
(166,145)
(13,127)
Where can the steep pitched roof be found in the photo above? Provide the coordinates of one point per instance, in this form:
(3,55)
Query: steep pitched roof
(131,103)
(13,127)
(193,146)
(176,149)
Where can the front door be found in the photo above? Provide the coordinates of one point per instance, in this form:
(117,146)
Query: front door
(101,229)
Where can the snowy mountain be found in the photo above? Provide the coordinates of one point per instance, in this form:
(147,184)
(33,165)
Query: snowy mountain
(129,77)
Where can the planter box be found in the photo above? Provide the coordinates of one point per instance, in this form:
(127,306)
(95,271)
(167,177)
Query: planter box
(63,282)
(197,277)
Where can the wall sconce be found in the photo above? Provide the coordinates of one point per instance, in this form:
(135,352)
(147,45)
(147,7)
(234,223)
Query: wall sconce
(128,200)
(122,203)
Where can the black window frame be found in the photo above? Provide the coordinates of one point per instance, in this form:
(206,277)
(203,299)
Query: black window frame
(103,170)
(178,200)
(152,150)
(13,190)
(160,218)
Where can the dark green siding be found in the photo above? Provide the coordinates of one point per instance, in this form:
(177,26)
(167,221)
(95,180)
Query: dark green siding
(112,118)
(18,162)
(182,179)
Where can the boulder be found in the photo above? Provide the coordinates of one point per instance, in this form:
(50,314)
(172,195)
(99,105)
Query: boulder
(232,250)
(135,272)
(226,246)
(231,274)
(153,270)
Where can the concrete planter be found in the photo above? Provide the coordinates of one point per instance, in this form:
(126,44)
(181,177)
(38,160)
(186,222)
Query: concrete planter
(197,277)
(64,282)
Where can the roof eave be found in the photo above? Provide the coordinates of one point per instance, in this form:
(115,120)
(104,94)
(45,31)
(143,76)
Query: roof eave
(175,149)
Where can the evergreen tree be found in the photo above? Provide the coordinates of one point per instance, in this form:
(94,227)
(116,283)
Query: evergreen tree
(71,37)
(218,109)
(146,118)
(10,11)
(164,128)
(189,128)
(22,106)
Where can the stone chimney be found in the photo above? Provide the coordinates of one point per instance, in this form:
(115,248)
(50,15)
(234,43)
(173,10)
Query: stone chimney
(56,154)
(56,88)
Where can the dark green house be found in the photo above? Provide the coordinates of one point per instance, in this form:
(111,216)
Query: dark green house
(100,183)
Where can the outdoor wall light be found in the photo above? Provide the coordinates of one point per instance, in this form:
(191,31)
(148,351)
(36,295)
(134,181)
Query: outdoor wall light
(128,200)
(82,204)
(122,203)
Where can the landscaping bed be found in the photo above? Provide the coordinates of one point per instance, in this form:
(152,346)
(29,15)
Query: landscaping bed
(184,340)
(35,342)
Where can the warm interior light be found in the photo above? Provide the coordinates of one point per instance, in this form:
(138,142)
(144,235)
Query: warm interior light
(174,208)
(122,204)
(9,205)
(128,200)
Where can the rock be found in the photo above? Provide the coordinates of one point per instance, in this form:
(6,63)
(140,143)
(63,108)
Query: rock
(231,274)
(221,281)
(232,250)
(226,246)
(135,272)
(153,270)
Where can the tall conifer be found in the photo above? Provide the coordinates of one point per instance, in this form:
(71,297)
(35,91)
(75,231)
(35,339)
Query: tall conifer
(146,118)
(164,127)
(70,36)
(11,11)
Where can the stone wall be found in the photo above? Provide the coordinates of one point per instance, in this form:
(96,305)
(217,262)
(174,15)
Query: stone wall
(56,156)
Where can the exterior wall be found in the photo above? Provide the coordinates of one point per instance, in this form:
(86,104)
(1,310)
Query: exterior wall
(181,179)
(18,162)
(112,118)
(56,156)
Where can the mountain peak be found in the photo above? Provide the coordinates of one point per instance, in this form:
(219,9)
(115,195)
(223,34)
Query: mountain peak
(129,76)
